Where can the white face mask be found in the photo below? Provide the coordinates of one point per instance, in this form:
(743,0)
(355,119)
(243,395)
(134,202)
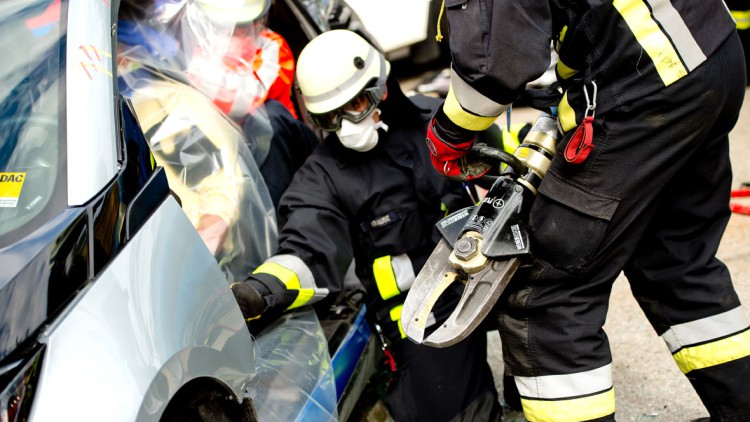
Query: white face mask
(362,136)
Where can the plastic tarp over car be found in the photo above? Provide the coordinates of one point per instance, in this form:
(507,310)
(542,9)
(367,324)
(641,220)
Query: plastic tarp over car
(210,169)
(164,53)
(210,162)
(295,378)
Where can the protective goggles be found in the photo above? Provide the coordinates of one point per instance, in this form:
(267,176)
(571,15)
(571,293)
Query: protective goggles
(356,110)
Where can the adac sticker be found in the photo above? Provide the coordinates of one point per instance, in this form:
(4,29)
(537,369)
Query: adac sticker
(10,189)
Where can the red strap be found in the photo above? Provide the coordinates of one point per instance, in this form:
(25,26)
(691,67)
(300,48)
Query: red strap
(389,360)
(580,144)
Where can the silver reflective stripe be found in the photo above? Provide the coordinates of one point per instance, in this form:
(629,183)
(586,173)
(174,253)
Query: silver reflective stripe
(355,79)
(563,386)
(706,329)
(403,271)
(678,32)
(305,276)
(470,97)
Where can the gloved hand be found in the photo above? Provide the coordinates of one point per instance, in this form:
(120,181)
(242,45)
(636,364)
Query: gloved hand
(249,298)
(448,144)
(263,298)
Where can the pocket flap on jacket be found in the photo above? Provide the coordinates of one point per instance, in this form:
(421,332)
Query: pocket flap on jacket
(580,199)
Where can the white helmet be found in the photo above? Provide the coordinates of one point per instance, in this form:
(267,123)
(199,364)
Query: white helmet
(234,11)
(335,67)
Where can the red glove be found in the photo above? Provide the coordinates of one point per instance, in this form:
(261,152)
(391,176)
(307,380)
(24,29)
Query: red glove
(449,158)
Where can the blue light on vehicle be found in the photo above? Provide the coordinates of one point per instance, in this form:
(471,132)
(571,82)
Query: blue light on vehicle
(346,357)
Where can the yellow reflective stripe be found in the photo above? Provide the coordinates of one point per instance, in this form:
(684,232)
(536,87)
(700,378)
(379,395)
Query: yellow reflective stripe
(563,31)
(638,17)
(287,276)
(572,410)
(303,297)
(714,353)
(564,71)
(396,316)
(290,280)
(510,137)
(566,114)
(385,279)
(742,18)
(464,119)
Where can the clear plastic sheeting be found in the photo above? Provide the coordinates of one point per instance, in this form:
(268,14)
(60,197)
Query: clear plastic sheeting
(200,41)
(295,379)
(208,45)
(210,169)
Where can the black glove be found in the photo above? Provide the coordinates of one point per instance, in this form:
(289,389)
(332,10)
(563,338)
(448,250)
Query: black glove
(263,298)
(249,299)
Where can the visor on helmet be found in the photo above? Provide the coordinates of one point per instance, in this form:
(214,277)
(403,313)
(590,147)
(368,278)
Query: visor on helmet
(352,110)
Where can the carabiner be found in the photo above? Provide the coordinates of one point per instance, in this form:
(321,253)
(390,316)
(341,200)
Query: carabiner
(590,103)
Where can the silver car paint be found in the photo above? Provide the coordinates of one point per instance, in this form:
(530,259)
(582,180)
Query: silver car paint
(160,315)
(92,146)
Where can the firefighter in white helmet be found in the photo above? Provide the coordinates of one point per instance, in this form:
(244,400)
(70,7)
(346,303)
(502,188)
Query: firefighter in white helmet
(369,193)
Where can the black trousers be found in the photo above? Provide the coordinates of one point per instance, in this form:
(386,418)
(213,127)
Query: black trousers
(444,384)
(651,200)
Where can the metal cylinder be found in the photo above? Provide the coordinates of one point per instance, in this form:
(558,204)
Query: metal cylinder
(538,148)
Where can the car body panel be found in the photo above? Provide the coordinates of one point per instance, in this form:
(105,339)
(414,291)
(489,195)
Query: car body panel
(90,118)
(157,317)
(112,302)
(35,271)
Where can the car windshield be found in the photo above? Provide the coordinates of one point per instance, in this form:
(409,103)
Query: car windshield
(31,93)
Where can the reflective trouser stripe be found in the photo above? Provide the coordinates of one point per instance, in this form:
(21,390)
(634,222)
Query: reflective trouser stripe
(709,341)
(570,410)
(706,329)
(295,275)
(714,353)
(468,108)
(672,62)
(569,397)
(396,317)
(393,275)
(742,18)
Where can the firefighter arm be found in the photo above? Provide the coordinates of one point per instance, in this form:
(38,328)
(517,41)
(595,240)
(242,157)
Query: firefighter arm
(314,247)
(495,59)
(492,63)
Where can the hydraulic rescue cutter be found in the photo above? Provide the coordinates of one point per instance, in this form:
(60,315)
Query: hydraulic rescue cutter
(482,246)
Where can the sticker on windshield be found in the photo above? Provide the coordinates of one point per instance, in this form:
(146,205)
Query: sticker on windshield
(10,189)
